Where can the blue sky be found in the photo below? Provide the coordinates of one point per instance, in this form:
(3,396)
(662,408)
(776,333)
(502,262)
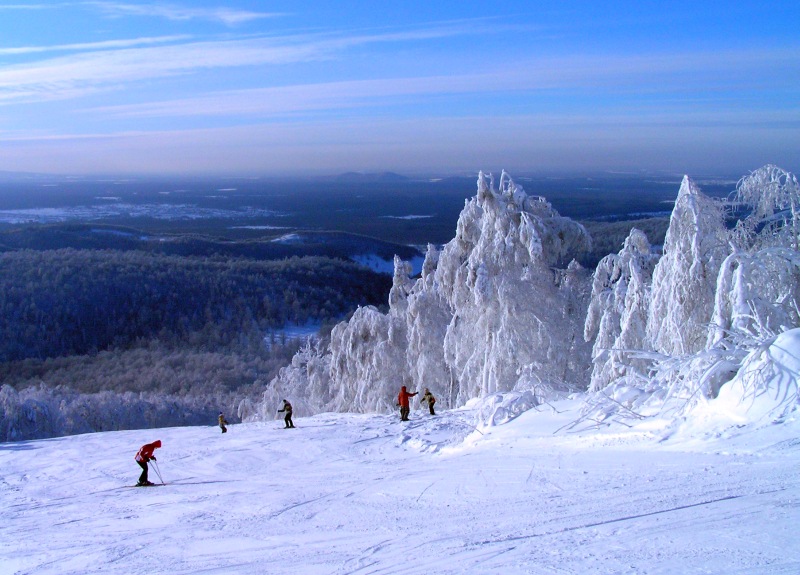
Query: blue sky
(259,88)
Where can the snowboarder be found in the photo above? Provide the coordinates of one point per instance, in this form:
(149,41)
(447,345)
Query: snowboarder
(428,398)
(222,423)
(287,408)
(402,401)
(144,455)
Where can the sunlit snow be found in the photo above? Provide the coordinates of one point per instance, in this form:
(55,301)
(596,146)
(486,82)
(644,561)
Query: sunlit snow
(358,494)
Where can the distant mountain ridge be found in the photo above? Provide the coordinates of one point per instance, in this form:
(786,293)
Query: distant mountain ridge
(370,177)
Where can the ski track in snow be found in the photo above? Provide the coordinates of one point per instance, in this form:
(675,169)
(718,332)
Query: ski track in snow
(348,494)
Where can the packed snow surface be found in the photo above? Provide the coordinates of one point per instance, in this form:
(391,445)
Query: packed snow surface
(367,494)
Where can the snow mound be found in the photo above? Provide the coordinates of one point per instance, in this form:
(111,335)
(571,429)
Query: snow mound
(764,391)
(500,408)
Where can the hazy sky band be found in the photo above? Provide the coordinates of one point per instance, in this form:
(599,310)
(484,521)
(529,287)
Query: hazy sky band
(578,86)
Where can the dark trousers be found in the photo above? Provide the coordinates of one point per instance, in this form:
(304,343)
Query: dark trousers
(430,407)
(404,411)
(143,476)
(287,419)
(223,428)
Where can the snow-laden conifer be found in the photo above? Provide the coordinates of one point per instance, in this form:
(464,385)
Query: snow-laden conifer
(682,299)
(617,316)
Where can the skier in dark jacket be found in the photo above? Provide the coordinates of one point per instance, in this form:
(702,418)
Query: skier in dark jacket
(222,423)
(402,401)
(144,455)
(287,408)
(428,398)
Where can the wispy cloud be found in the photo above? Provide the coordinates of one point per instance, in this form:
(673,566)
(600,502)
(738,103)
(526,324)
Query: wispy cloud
(58,78)
(89,46)
(25,6)
(228,16)
(640,75)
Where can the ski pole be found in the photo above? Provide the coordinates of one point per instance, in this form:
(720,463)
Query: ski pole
(158,472)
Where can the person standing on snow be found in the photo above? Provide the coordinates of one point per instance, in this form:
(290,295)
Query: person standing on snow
(287,408)
(222,423)
(428,398)
(144,455)
(402,401)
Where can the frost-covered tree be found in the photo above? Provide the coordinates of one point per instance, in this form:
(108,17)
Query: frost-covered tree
(494,310)
(617,316)
(40,412)
(718,298)
(757,296)
(306,382)
(427,317)
(771,195)
(499,276)
(758,288)
(684,279)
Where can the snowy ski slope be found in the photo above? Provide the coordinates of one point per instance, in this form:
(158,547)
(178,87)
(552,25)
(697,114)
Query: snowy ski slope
(365,494)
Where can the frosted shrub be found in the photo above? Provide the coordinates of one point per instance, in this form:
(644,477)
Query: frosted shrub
(765,388)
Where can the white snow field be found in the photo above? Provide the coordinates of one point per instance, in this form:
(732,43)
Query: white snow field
(367,494)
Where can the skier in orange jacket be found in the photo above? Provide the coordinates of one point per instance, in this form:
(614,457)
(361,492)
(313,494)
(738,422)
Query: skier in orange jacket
(144,455)
(402,401)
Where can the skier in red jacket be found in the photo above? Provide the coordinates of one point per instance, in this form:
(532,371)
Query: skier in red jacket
(402,401)
(144,455)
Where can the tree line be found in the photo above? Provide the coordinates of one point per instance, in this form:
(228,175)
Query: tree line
(99,340)
(74,302)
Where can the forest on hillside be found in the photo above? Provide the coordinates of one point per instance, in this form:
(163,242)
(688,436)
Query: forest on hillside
(73,302)
(118,332)
(150,339)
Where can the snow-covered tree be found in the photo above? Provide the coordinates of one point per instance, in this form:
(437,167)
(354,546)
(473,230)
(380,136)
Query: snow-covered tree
(499,275)
(617,316)
(427,317)
(757,296)
(717,296)
(306,383)
(684,279)
(771,195)
(480,319)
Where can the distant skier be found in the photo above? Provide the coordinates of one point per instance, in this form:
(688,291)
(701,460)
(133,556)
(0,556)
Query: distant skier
(402,401)
(144,455)
(287,408)
(428,398)
(222,423)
